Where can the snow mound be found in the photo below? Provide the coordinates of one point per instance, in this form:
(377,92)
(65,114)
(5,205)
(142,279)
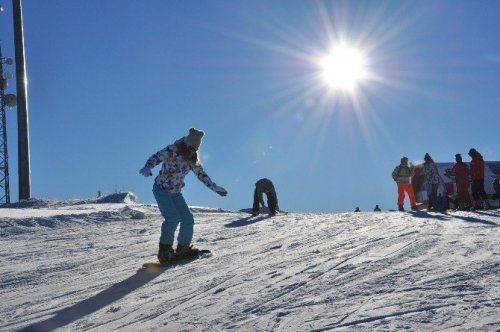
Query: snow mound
(133,213)
(120,197)
(201,209)
(32,221)
(35,203)
(45,203)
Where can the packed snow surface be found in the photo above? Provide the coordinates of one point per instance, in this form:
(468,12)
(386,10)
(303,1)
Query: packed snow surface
(76,266)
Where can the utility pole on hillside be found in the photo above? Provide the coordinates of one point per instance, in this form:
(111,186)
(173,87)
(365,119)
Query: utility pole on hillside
(22,108)
(8,100)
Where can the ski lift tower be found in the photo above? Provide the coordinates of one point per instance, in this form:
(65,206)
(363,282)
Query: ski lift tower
(6,100)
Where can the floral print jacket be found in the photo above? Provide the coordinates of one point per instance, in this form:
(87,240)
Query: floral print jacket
(174,169)
(431,173)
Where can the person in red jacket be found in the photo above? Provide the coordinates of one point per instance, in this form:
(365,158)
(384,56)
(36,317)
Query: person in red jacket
(477,178)
(461,173)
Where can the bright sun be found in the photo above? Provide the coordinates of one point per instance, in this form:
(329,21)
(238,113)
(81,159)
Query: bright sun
(343,68)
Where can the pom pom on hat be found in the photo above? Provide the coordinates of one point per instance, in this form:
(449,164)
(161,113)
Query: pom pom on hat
(193,139)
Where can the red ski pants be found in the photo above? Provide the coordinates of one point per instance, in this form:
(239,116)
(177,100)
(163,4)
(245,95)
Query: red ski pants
(463,192)
(408,188)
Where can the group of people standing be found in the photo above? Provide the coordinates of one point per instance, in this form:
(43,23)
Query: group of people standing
(464,175)
(473,175)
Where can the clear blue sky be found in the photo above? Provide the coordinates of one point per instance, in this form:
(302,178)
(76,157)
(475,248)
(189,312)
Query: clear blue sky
(111,82)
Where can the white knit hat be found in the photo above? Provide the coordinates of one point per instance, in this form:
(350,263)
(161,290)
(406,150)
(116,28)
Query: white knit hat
(193,139)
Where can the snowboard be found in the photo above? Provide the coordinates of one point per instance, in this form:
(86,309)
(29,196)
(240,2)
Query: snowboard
(263,212)
(203,253)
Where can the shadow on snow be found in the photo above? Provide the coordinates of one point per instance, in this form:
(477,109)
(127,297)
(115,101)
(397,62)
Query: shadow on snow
(246,221)
(96,302)
(444,216)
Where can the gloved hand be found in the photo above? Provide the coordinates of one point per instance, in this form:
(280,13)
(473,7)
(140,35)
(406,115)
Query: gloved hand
(146,171)
(221,191)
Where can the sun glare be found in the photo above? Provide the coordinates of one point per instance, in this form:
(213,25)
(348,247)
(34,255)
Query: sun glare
(343,68)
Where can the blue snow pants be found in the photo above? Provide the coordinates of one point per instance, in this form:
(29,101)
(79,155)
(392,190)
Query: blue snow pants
(175,211)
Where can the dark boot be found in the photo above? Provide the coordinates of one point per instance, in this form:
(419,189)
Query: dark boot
(478,205)
(186,252)
(401,208)
(165,254)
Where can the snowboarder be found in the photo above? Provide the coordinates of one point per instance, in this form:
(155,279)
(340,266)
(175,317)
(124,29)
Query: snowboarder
(477,178)
(461,173)
(402,174)
(178,159)
(357,209)
(431,182)
(377,209)
(265,186)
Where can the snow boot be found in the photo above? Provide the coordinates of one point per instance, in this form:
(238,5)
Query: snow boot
(165,253)
(414,208)
(478,205)
(186,252)
(401,208)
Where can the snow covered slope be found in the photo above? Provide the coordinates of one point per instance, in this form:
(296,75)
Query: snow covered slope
(78,267)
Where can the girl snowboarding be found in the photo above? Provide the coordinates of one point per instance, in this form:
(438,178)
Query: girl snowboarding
(178,160)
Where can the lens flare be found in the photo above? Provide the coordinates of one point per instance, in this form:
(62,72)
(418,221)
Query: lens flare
(343,68)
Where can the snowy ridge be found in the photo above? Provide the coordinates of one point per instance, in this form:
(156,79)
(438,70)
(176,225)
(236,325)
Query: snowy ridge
(201,209)
(363,271)
(35,203)
(19,217)
(13,226)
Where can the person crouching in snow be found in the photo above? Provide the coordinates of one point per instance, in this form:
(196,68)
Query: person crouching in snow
(402,174)
(265,186)
(178,160)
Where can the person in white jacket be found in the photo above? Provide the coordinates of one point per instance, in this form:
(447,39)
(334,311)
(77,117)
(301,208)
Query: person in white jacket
(401,175)
(178,160)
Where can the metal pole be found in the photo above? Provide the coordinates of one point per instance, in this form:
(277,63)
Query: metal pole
(22,106)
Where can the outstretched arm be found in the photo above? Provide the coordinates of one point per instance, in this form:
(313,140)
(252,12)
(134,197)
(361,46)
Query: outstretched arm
(154,160)
(205,179)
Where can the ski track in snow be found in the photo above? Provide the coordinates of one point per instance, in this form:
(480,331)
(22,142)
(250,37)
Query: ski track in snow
(79,268)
